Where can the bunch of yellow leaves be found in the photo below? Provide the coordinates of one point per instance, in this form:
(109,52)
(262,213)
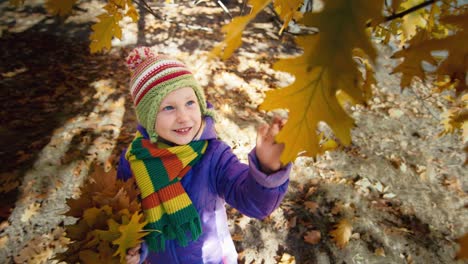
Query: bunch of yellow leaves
(109,220)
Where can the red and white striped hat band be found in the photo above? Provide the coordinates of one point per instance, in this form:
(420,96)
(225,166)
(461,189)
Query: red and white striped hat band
(153,72)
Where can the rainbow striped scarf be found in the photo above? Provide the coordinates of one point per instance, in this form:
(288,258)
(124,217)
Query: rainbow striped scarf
(158,169)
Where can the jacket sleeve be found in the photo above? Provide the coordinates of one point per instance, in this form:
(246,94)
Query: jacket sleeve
(123,170)
(246,187)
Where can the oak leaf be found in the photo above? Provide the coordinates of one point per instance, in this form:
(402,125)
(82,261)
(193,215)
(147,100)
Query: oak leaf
(325,67)
(131,235)
(413,20)
(233,30)
(287,11)
(456,118)
(59,7)
(413,56)
(342,233)
(421,47)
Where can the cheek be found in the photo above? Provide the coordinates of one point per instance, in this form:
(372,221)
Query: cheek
(162,122)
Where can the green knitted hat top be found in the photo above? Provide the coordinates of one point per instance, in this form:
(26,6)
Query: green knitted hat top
(153,76)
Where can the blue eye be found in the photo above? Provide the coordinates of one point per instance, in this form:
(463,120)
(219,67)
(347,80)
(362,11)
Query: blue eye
(167,108)
(191,102)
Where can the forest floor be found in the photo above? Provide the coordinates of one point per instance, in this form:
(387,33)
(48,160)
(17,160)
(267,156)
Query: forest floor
(400,185)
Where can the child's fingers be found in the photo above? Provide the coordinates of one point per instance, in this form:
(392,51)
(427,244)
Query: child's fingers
(134,251)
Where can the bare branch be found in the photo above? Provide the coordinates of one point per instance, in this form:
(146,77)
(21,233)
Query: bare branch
(409,10)
(143,4)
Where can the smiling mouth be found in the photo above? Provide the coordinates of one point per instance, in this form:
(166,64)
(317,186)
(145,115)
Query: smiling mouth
(183,130)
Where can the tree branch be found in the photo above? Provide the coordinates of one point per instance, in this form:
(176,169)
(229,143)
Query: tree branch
(409,10)
(143,4)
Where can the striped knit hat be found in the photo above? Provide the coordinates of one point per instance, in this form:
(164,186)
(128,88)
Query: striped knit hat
(153,76)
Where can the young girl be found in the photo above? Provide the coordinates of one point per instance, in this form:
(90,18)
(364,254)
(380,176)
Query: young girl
(185,173)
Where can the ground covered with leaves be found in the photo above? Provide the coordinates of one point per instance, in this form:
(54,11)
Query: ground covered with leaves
(396,195)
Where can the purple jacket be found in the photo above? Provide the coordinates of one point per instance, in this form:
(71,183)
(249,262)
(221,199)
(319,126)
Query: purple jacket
(218,178)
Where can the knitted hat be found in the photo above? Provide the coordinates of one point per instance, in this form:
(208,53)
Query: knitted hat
(153,76)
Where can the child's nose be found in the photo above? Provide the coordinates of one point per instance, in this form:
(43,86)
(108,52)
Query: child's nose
(182,115)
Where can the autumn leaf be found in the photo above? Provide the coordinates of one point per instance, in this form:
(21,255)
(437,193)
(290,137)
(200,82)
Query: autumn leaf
(16,3)
(413,57)
(233,30)
(132,12)
(456,118)
(287,10)
(379,252)
(59,7)
(94,215)
(30,212)
(131,235)
(396,5)
(104,207)
(463,251)
(287,259)
(421,46)
(311,206)
(105,30)
(414,20)
(342,233)
(313,237)
(325,67)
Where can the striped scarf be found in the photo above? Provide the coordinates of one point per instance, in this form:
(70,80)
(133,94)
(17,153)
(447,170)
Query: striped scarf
(158,169)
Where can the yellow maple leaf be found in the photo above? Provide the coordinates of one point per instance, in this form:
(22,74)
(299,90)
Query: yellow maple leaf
(287,10)
(233,30)
(105,30)
(131,235)
(59,7)
(325,67)
(342,233)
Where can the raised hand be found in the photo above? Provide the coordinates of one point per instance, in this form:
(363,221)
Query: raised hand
(267,150)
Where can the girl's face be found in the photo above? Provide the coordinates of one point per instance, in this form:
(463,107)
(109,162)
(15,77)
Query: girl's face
(179,117)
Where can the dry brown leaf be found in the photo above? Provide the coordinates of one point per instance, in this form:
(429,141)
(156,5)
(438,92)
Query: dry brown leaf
(3,241)
(337,208)
(41,248)
(463,251)
(237,237)
(454,184)
(311,206)
(379,252)
(313,237)
(287,259)
(311,191)
(342,233)
(30,212)
(292,222)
